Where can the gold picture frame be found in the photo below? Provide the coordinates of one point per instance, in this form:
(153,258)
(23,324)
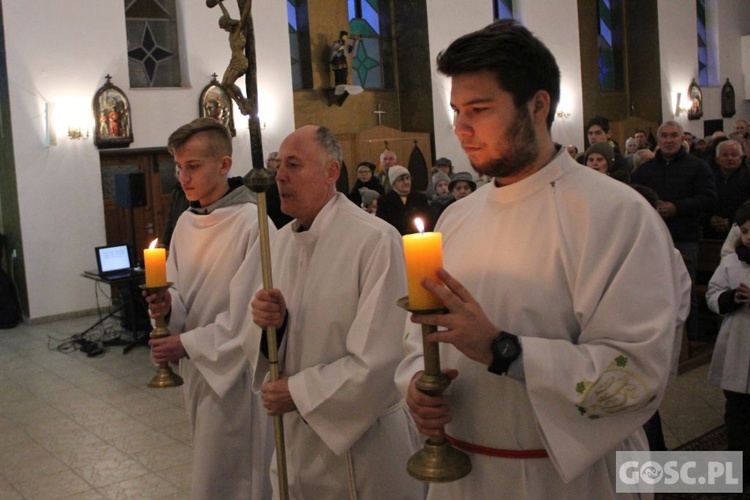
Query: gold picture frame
(215,103)
(695,94)
(111,109)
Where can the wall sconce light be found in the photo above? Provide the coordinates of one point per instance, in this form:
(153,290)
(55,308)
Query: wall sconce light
(50,134)
(563,115)
(76,133)
(677,109)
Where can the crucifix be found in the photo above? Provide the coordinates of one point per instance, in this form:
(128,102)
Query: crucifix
(242,63)
(379,112)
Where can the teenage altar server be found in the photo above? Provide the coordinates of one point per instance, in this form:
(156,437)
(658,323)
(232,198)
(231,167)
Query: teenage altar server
(563,293)
(339,272)
(214,263)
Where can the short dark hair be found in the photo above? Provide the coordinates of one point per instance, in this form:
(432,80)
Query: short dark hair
(521,63)
(598,120)
(743,214)
(221,144)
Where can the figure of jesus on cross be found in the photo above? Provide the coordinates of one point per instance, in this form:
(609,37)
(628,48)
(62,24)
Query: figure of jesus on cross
(238,64)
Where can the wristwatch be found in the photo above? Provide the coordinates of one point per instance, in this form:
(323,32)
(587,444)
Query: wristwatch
(505,350)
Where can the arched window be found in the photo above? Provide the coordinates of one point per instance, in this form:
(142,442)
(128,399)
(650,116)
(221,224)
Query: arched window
(364,20)
(299,44)
(503,9)
(153,46)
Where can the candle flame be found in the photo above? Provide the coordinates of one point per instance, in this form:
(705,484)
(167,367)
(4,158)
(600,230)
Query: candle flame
(153,244)
(420,225)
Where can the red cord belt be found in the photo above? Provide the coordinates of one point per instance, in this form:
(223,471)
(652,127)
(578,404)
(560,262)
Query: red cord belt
(496,452)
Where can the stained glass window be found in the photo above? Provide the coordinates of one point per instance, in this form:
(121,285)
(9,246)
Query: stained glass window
(364,20)
(153,46)
(702,45)
(503,9)
(299,44)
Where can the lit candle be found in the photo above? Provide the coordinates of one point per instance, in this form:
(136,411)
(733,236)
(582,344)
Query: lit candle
(424,255)
(156,265)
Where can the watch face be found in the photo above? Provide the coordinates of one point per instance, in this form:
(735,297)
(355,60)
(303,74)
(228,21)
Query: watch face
(506,348)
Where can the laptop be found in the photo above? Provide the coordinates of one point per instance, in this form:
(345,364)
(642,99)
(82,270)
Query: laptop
(113,263)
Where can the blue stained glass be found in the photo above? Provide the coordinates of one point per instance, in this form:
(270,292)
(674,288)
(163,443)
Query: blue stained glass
(364,20)
(505,13)
(605,32)
(366,64)
(701,32)
(702,45)
(361,27)
(371,16)
(291,14)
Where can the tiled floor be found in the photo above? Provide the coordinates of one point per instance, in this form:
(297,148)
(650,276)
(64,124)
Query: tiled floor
(691,407)
(81,428)
(78,427)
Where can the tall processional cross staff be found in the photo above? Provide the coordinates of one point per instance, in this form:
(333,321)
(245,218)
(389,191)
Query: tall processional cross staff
(243,63)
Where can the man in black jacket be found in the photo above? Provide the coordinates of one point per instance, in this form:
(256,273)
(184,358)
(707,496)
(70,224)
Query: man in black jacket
(732,178)
(687,190)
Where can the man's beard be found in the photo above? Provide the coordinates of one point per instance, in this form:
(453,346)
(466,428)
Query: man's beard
(522,148)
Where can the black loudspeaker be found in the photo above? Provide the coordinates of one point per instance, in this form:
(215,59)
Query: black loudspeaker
(130,190)
(135,317)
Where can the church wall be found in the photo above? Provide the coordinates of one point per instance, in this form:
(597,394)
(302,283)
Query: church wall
(556,23)
(734,22)
(676,32)
(441,17)
(59,187)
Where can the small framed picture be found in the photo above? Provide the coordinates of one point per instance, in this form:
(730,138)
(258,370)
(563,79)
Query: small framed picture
(112,117)
(727,100)
(216,103)
(696,101)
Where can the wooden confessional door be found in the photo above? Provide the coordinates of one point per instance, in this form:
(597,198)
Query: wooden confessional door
(148,220)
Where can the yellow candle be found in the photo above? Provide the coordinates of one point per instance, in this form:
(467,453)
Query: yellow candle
(424,255)
(155,260)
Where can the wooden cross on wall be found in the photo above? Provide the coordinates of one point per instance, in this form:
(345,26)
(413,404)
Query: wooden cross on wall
(379,112)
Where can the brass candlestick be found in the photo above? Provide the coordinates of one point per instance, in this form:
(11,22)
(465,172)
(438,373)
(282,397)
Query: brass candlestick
(437,461)
(164,377)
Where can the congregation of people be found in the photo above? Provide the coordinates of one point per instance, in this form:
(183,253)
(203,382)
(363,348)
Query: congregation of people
(554,281)
(701,189)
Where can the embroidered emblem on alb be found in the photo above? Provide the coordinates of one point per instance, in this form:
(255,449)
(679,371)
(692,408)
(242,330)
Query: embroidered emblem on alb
(617,390)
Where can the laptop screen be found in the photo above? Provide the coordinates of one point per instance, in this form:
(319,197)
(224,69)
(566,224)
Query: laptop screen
(112,258)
